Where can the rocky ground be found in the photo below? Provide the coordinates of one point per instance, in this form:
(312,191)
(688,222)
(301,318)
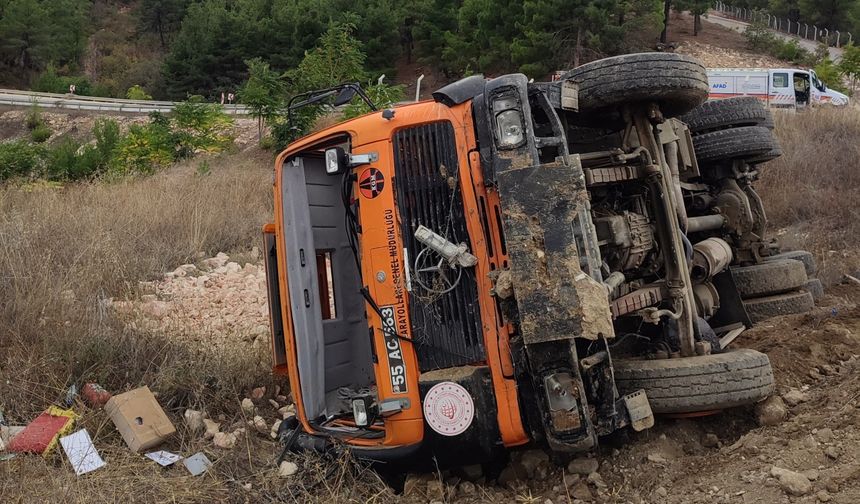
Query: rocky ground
(802,445)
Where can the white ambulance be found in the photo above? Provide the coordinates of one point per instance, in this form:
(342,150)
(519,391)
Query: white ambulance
(780,87)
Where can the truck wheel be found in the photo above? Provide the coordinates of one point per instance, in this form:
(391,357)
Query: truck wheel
(728,113)
(769,277)
(803,256)
(769,156)
(763,308)
(736,143)
(704,383)
(814,287)
(678,83)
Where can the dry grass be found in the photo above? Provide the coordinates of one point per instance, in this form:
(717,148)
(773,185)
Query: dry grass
(98,241)
(812,193)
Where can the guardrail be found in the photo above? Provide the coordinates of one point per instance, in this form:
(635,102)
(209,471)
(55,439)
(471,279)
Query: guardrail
(17,98)
(785,25)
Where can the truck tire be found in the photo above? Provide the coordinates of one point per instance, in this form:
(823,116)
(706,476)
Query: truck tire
(814,287)
(803,256)
(678,83)
(769,278)
(763,308)
(746,142)
(703,383)
(728,113)
(768,156)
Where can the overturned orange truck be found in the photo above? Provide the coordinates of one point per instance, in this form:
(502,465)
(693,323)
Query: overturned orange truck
(475,272)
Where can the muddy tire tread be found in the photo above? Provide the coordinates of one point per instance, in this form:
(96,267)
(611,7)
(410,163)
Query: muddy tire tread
(677,82)
(763,308)
(727,113)
(747,142)
(769,278)
(699,383)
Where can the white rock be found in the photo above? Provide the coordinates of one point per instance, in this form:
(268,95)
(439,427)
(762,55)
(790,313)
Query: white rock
(794,397)
(194,420)
(211,427)
(259,425)
(287,411)
(287,469)
(771,411)
(793,483)
(274,432)
(224,440)
(248,406)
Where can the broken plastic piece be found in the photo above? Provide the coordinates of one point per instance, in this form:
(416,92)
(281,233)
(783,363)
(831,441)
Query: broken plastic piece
(82,452)
(197,464)
(164,458)
(41,435)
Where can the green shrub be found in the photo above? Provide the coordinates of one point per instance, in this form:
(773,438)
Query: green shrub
(34,117)
(51,82)
(106,132)
(136,92)
(201,127)
(267,142)
(40,133)
(144,149)
(62,160)
(19,159)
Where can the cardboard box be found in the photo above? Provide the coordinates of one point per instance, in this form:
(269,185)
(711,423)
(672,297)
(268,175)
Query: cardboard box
(139,418)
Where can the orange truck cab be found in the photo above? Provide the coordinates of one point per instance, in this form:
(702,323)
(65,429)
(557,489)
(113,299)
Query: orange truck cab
(398,240)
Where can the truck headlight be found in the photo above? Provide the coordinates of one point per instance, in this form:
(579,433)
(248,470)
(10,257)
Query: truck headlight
(509,122)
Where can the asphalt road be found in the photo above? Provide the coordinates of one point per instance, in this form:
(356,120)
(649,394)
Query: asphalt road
(740,26)
(17,98)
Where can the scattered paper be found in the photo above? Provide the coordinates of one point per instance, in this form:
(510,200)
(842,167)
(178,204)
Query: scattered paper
(81,452)
(197,464)
(164,458)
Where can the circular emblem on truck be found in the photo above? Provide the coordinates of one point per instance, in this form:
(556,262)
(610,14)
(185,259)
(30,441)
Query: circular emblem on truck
(449,409)
(371,183)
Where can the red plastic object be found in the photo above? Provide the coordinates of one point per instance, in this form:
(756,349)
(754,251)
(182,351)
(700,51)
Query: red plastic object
(95,395)
(41,435)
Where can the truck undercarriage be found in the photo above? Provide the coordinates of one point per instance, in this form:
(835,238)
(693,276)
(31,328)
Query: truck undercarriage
(510,263)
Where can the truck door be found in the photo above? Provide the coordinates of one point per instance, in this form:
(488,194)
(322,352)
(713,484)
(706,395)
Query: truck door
(781,90)
(802,88)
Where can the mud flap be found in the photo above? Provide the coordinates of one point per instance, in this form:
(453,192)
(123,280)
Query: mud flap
(639,410)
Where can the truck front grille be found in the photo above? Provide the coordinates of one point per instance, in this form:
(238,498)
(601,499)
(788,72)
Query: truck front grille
(447,327)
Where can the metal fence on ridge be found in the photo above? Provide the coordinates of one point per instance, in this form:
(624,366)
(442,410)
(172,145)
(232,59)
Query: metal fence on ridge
(785,25)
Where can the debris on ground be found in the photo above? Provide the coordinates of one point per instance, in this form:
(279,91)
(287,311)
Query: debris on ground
(139,419)
(194,420)
(225,440)
(81,452)
(287,469)
(163,458)
(197,464)
(42,434)
(212,427)
(95,395)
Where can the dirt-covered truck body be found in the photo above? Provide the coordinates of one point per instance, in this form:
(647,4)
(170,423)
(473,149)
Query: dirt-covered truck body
(463,275)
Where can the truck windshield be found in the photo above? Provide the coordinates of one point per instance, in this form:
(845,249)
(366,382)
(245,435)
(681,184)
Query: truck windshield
(817,83)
